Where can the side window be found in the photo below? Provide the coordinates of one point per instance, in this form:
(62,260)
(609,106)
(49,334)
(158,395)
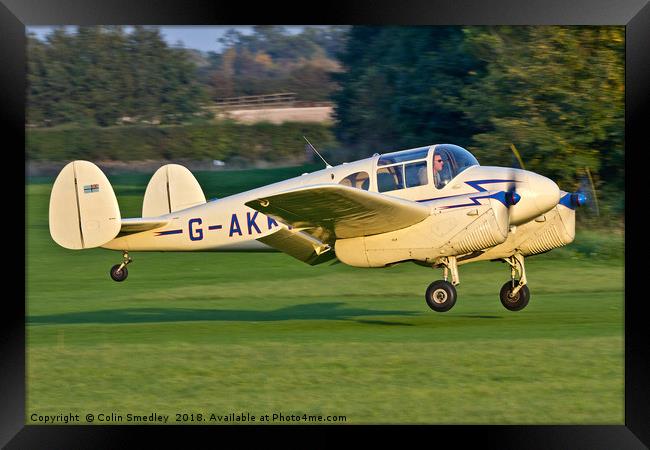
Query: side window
(389,178)
(359,180)
(416,174)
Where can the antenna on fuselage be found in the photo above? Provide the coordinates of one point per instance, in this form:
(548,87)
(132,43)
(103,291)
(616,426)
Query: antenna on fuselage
(327,166)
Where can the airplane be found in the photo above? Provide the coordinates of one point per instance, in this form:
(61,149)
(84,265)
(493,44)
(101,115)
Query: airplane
(435,206)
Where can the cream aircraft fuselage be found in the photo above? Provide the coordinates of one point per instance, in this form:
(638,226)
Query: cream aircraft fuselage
(374,212)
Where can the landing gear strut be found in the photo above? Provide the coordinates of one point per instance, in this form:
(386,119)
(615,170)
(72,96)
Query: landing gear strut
(441,294)
(118,271)
(515,293)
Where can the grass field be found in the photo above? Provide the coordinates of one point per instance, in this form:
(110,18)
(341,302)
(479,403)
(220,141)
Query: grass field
(261,334)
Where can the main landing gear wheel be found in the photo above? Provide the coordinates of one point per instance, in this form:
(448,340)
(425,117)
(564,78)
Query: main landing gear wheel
(119,272)
(515,294)
(441,296)
(515,302)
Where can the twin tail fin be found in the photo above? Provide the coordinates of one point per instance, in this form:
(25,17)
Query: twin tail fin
(84,212)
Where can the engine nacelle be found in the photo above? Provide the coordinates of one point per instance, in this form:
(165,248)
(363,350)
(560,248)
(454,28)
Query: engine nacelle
(556,230)
(447,232)
(551,230)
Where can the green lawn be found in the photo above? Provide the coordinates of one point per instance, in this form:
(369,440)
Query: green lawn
(250,333)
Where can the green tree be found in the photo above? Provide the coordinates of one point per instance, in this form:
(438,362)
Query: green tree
(98,75)
(38,101)
(58,72)
(272,60)
(556,93)
(401,87)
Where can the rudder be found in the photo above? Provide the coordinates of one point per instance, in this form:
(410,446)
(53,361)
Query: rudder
(84,212)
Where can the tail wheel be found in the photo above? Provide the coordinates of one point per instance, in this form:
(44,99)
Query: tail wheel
(440,296)
(515,302)
(118,274)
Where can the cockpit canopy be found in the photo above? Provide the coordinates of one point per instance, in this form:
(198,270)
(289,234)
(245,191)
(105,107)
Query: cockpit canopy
(405,169)
(404,155)
(454,159)
(409,168)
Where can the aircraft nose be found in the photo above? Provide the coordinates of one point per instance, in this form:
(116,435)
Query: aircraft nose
(546,192)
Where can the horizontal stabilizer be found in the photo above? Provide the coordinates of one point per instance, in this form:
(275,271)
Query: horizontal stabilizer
(172,188)
(136,225)
(340,211)
(83,209)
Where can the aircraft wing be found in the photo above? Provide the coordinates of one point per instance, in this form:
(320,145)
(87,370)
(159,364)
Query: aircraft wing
(331,211)
(137,225)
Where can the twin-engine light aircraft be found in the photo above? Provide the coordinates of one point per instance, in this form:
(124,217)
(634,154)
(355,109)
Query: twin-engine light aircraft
(435,206)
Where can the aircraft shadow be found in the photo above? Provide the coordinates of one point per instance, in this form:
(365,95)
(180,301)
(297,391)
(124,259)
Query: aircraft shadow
(470,316)
(311,311)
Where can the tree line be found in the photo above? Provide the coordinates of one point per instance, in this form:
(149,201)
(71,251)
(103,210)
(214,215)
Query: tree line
(271,59)
(554,92)
(102,75)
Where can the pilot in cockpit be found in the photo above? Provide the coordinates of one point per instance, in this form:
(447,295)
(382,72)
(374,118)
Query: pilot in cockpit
(438,165)
(448,161)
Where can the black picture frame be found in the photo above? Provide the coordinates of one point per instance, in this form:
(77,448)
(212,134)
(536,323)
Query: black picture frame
(634,14)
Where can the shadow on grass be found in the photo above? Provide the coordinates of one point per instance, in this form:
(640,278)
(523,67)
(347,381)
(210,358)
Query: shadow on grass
(384,322)
(312,311)
(471,316)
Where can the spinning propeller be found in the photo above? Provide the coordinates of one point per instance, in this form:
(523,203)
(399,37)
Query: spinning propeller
(512,197)
(586,194)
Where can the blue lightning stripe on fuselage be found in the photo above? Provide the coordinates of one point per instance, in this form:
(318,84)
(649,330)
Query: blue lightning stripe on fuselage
(476,184)
(500,196)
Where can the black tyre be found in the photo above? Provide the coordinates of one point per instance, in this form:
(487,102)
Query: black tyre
(441,296)
(519,301)
(118,274)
